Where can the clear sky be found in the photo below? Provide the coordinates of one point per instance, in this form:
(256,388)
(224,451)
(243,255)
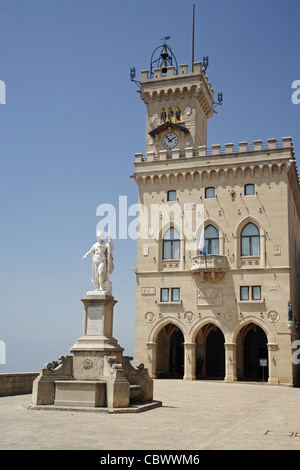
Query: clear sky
(73,121)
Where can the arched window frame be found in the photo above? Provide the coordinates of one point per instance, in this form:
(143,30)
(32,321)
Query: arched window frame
(163,115)
(171,244)
(211,243)
(178,114)
(171,114)
(250,244)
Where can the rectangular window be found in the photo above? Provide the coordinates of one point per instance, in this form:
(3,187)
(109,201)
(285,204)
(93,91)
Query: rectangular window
(249,189)
(175,294)
(256,293)
(209,192)
(171,195)
(164,295)
(244,292)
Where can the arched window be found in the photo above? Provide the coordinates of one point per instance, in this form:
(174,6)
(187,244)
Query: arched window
(163,115)
(178,114)
(171,195)
(171,244)
(250,240)
(211,235)
(171,114)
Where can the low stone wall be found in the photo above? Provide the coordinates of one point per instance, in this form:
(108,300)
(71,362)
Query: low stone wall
(16,383)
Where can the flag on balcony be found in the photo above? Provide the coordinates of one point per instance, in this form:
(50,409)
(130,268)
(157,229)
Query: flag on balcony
(201,245)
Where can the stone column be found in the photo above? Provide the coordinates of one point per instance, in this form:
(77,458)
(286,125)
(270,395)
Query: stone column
(273,378)
(230,362)
(189,361)
(151,359)
(263,250)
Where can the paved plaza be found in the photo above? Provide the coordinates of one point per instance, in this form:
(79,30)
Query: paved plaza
(196,415)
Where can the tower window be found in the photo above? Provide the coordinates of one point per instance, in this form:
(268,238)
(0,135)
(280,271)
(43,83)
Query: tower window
(163,115)
(209,192)
(171,195)
(249,189)
(250,240)
(171,244)
(171,114)
(178,114)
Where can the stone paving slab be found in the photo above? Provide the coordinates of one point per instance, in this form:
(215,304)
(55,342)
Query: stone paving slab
(196,415)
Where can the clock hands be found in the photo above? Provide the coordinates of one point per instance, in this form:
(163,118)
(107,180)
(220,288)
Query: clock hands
(170,140)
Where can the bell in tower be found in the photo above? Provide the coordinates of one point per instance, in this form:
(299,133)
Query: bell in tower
(165,58)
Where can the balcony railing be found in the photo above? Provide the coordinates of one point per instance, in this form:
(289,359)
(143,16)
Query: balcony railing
(209,263)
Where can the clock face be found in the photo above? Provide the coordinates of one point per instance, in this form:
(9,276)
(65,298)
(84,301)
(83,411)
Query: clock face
(170,140)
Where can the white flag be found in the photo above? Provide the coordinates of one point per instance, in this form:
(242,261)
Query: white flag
(202,240)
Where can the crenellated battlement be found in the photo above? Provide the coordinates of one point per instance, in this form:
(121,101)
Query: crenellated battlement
(160,86)
(197,72)
(217,150)
(236,160)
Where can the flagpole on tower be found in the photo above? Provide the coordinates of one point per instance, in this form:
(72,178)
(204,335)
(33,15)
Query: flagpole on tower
(193,38)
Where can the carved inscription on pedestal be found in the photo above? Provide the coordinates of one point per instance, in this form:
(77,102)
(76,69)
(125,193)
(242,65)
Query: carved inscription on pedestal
(94,321)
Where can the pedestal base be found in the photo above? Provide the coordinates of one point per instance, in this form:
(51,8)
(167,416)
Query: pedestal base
(95,375)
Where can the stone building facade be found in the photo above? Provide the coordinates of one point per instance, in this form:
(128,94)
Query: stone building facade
(229,310)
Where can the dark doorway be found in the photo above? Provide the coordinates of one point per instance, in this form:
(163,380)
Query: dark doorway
(177,354)
(256,355)
(215,354)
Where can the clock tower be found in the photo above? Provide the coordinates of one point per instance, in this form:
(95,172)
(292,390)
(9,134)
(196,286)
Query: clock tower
(178,106)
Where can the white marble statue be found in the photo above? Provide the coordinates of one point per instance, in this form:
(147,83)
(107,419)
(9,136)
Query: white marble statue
(102,262)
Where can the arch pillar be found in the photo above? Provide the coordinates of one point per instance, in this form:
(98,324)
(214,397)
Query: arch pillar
(273,378)
(189,361)
(230,362)
(151,359)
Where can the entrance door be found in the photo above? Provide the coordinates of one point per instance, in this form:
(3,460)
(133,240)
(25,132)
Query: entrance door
(177,354)
(256,355)
(215,354)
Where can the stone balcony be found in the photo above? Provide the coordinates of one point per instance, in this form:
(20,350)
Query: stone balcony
(210,267)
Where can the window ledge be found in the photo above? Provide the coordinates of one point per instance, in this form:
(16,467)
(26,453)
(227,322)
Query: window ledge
(169,303)
(251,301)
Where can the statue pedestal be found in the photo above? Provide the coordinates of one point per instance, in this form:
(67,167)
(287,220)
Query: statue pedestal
(96,374)
(97,340)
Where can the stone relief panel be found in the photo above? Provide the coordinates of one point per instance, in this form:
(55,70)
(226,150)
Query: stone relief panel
(150,317)
(273,316)
(189,317)
(209,296)
(148,290)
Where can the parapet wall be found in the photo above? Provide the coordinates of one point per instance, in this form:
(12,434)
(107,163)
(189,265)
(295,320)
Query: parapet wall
(16,383)
(227,149)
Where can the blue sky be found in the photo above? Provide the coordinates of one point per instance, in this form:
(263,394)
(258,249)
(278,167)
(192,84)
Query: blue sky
(73,121)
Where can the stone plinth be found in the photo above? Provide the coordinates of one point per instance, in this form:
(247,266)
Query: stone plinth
(95,375)
(97,340)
